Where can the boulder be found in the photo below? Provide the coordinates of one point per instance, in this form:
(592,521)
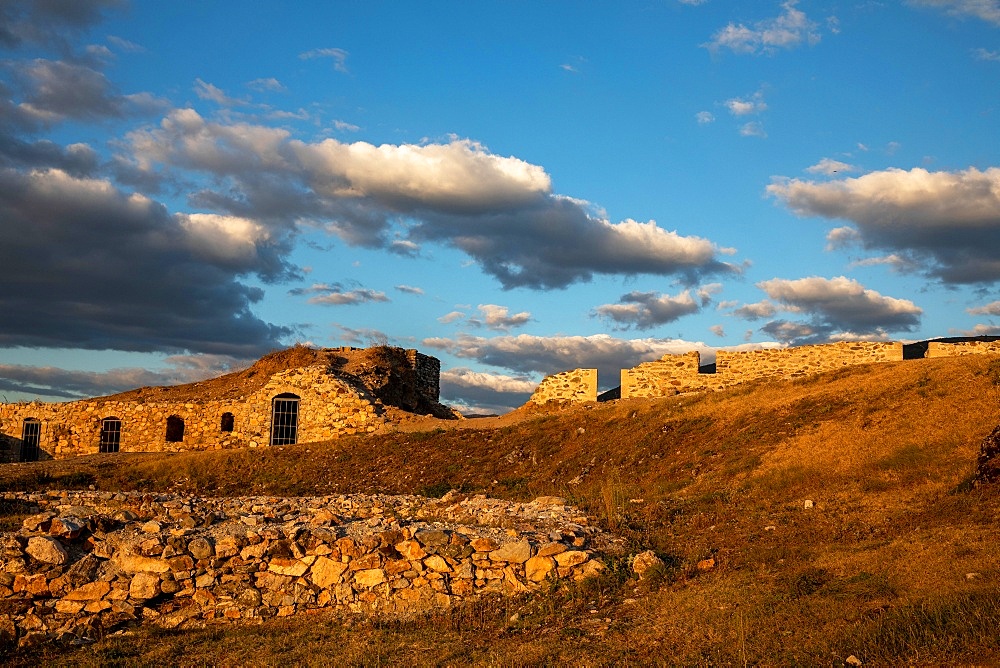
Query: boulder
(645,562)
(144,586)
(537,569)
(514,553)
(47,550)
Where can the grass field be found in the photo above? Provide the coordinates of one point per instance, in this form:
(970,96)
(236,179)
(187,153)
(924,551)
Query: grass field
(896,563)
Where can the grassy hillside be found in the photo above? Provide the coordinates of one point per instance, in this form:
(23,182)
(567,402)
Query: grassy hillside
(894,563)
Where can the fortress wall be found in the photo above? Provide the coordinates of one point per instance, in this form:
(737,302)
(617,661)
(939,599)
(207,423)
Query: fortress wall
(575,385)
(328,408)
(664,377)
(785,363)
(938,349)
(428,372)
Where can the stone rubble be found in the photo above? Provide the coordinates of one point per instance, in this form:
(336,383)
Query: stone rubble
(89,563)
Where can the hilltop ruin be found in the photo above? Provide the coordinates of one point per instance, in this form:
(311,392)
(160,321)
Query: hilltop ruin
(294,395)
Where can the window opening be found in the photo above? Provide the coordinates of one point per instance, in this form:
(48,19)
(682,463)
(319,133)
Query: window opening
(284,419)
(228,422)
(111,434)
(31,436)
(175,429)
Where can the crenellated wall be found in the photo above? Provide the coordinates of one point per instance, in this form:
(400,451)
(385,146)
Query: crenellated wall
(578,385)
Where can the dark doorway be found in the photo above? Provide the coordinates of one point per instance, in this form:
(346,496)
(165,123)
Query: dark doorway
(175,429)
(31,436)
(228,422)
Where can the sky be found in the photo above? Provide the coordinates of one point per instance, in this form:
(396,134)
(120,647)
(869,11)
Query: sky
(517,188)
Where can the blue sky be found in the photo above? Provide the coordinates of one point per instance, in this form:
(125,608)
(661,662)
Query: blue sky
(517,188)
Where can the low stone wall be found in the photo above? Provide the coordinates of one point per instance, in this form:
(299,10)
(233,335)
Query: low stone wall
(664,377)
(328,408)
(427,370)
(785,363)
(962,348)
(89,563)
(577,385)
(673,374)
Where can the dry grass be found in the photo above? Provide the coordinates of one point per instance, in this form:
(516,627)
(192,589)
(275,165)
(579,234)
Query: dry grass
(895,563)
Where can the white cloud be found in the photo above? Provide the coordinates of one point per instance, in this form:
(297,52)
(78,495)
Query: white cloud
(645,310)
(498,318)
(223,237)
(842,237)
(410,289)
(753,129)
(993,308)
(207,91)
(987,10)
(266,85)
(499,210)
(948,223)
(339,57)
(449,318)
(830,167)
(335,295)
(739,106)
(718,330)
(756,311)
(344,126)
(704,117)
(838,305)
(786,31)
(984,54)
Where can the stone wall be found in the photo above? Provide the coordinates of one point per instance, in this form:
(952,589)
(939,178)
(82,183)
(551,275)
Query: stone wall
(962,348)
(87,564)
(328,407)
(664,377)
(577,385)
(427,369)
(786,363)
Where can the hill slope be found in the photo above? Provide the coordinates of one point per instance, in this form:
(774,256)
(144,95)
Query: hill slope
(895,561)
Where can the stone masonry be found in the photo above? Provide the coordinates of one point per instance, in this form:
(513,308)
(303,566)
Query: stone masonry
(576,385)
(674,374)
(88,563)
(330,404)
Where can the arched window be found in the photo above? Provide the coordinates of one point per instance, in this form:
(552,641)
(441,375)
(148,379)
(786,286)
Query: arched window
(31,436)
(175,429)
(284,419)
(111,434)
(228,422)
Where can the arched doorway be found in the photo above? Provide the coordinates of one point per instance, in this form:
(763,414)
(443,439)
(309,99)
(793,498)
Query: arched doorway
(284,419)
(175,429)
(228,422)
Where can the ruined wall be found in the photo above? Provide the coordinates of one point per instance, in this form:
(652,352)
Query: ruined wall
(664,377)
(90,563)
(328,407)
(428,372)
(962,348)
(673,374)
(575,385)
(785,363)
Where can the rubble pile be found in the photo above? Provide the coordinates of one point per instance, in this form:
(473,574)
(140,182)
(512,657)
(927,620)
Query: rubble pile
(88,563)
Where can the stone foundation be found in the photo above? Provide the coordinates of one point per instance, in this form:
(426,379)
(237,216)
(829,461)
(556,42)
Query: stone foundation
(89,563)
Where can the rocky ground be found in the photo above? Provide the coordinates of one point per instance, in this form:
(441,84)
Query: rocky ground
(87,563)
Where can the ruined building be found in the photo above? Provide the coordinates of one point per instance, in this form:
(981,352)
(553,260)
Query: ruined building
(296,395)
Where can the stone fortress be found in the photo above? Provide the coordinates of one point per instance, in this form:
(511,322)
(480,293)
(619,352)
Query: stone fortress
(676,374)
(304,394)
(296,395)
